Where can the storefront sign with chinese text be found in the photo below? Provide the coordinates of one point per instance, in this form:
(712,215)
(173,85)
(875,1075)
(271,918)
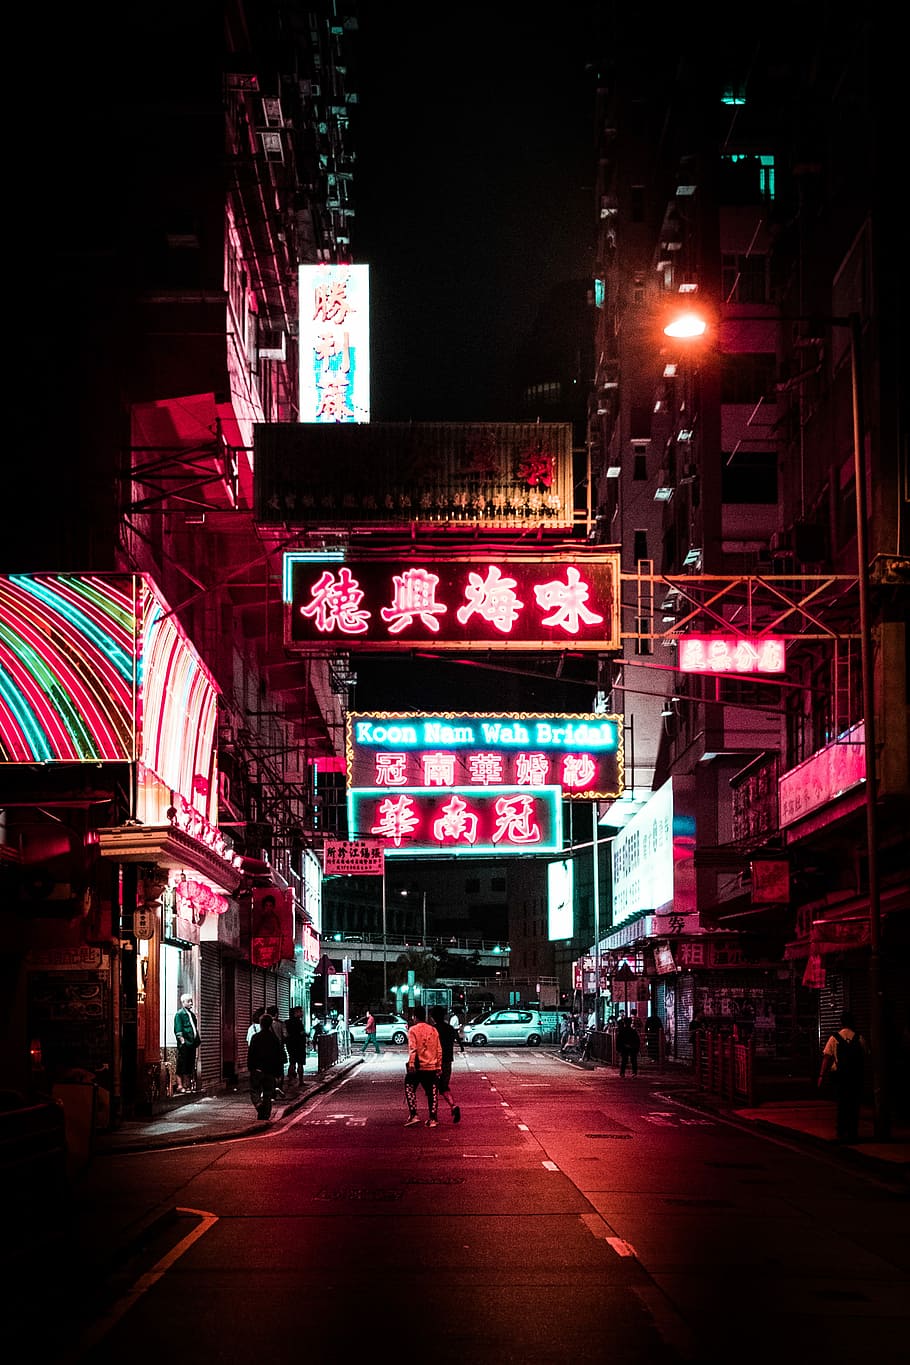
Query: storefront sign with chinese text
(732,654)
(459,821)
(334,343)
(824,777)
(581,753)
(466,602)
(358,857)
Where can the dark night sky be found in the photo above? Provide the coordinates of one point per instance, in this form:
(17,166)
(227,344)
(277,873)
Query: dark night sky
(474,193)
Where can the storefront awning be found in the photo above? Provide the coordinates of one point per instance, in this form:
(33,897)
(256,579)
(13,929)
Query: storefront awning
(171,848)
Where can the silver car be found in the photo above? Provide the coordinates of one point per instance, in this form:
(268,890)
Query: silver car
(390,1028)
(506,1026)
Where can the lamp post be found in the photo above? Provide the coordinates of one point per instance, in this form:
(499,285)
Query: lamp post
(692,325)
(385,964)
(424,907)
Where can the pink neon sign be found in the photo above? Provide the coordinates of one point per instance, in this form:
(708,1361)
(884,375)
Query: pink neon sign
(732,654)
(454,603)
(498,820)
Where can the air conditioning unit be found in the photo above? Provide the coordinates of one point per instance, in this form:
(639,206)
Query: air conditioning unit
(273,346)
(272,146)
(271,110)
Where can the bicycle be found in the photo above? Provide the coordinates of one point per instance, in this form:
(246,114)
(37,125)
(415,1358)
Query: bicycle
(577,1046)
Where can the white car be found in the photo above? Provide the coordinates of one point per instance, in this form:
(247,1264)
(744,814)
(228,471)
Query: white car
(390,1028)
(506,1026)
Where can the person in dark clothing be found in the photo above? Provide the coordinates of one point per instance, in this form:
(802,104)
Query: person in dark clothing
(628,1042)
(448,1037)
(845,1055)
(265,1059)
(295,1043)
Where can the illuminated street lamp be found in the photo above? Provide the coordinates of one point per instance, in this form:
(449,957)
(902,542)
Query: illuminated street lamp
(424,899)
(690,325)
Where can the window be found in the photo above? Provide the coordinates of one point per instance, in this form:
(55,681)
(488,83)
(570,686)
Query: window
(746,178)
(745,279)
(746,377)
(640,464)
(749,476)
(640,546)
(497,883)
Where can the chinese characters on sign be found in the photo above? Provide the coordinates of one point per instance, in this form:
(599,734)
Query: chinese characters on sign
(334,343)
(824,777)
(361,857)
(453,603)
(580,753)
(499,820)
(732,654)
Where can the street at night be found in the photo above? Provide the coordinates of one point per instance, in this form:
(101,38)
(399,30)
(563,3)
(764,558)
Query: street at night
(455,589)
(570,1216)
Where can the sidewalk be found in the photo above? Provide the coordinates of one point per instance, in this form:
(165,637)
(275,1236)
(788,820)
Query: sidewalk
(192,1119)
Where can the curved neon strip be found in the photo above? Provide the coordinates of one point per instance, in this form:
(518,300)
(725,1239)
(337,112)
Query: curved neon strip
(23,736)
(72,691)
(67,643)
(84,626)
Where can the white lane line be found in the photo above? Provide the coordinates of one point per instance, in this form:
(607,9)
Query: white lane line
(549,1165)
(90,1339)
(523,1128)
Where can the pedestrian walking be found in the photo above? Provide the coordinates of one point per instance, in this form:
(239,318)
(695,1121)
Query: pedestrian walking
(265,1060)
(423,1068)
(845,1056)
(295,1043)
(278,1027)
(447,1038)
(627,1044)
(254,1025)
(455,1021)
(370,1040)
(186,1032)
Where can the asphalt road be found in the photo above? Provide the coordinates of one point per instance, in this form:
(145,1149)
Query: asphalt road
(570,1217)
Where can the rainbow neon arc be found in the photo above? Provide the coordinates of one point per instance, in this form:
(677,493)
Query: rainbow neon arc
(97,670)
(67,668)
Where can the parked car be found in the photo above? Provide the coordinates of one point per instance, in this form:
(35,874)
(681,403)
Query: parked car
(390,1028)
(506,1026)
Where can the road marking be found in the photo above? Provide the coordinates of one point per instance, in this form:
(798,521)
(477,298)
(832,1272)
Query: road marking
(621,1247)
(549,1165)
(94,1334)
(523,1128)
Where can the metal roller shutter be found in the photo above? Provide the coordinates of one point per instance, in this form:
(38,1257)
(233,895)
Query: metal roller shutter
(243,1008)
(209,1064)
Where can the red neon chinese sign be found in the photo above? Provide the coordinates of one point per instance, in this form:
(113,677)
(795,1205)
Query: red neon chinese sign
(492,820)
(732,654)
(547,602)
(583,754)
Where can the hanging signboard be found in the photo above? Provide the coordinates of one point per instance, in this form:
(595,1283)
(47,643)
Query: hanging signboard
(459,821)
(582,754)
(465,602)
(359,857)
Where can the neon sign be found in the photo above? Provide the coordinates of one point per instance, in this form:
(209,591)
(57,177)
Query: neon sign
(582,754)
(334,343)
(463,602)
(732,654)
(461,821)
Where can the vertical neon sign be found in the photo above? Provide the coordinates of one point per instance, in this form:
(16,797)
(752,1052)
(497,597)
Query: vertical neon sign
(334,343)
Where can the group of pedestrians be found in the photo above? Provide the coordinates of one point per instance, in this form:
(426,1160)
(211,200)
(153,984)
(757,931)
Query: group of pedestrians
(431,1053)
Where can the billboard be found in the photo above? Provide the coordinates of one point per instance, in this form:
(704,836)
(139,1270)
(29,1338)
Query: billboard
(581,753)
(334,343)
(561,899)
(653,860)
(511,475)
(459,821)
(468,601)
